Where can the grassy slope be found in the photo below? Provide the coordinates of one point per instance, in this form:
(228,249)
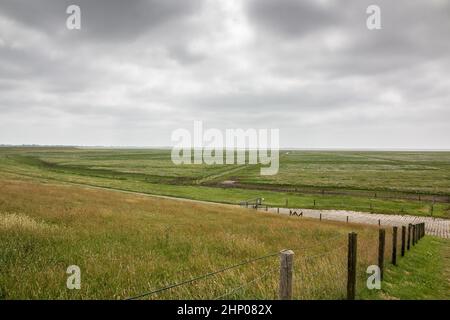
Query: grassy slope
(423,274)
(127,244)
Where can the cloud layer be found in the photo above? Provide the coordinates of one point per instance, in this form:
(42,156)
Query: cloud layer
(137,70)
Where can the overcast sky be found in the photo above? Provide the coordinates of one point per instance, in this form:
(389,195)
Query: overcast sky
(137,70)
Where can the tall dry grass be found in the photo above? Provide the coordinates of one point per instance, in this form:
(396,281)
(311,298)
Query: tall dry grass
(128,244)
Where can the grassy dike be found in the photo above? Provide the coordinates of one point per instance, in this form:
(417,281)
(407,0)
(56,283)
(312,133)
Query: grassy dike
(424,273)
(127,244)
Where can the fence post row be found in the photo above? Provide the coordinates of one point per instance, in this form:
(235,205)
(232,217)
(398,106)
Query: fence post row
(286,270)
(351,272)
(403,240)
(394,246)
(381,243)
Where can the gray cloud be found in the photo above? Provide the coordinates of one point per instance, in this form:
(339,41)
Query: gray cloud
(103,20)
(139,69)
(292,18)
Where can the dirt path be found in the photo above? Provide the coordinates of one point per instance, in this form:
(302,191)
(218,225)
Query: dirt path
(433,226)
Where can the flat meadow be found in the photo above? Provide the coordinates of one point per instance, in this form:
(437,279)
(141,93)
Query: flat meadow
(416,183)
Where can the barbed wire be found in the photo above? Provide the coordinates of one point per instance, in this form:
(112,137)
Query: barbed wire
(234,290)
(203,276)
(247,283)
(219,271)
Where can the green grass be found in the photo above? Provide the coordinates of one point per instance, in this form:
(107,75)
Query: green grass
(151,171)
(427,172)
(424,273)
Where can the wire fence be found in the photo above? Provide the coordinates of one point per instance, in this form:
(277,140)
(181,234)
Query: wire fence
(424,208)
(375,194)
(322,270)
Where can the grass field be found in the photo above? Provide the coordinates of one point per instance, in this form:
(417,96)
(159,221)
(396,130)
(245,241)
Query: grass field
(382,182)
(129,244)
(424,274)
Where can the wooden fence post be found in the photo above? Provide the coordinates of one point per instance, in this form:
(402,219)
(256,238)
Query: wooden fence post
(417,231)
(403,240)
(379,222)
(278,210)
(413,234)
(320,216)
(409,237)
(347,219)
(286,270)
(351,267)
(381,244)
(394,246)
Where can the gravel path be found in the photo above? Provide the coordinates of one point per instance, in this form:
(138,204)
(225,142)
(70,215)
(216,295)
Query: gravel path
(433,226)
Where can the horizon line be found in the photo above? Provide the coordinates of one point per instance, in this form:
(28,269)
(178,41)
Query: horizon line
(170,147)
